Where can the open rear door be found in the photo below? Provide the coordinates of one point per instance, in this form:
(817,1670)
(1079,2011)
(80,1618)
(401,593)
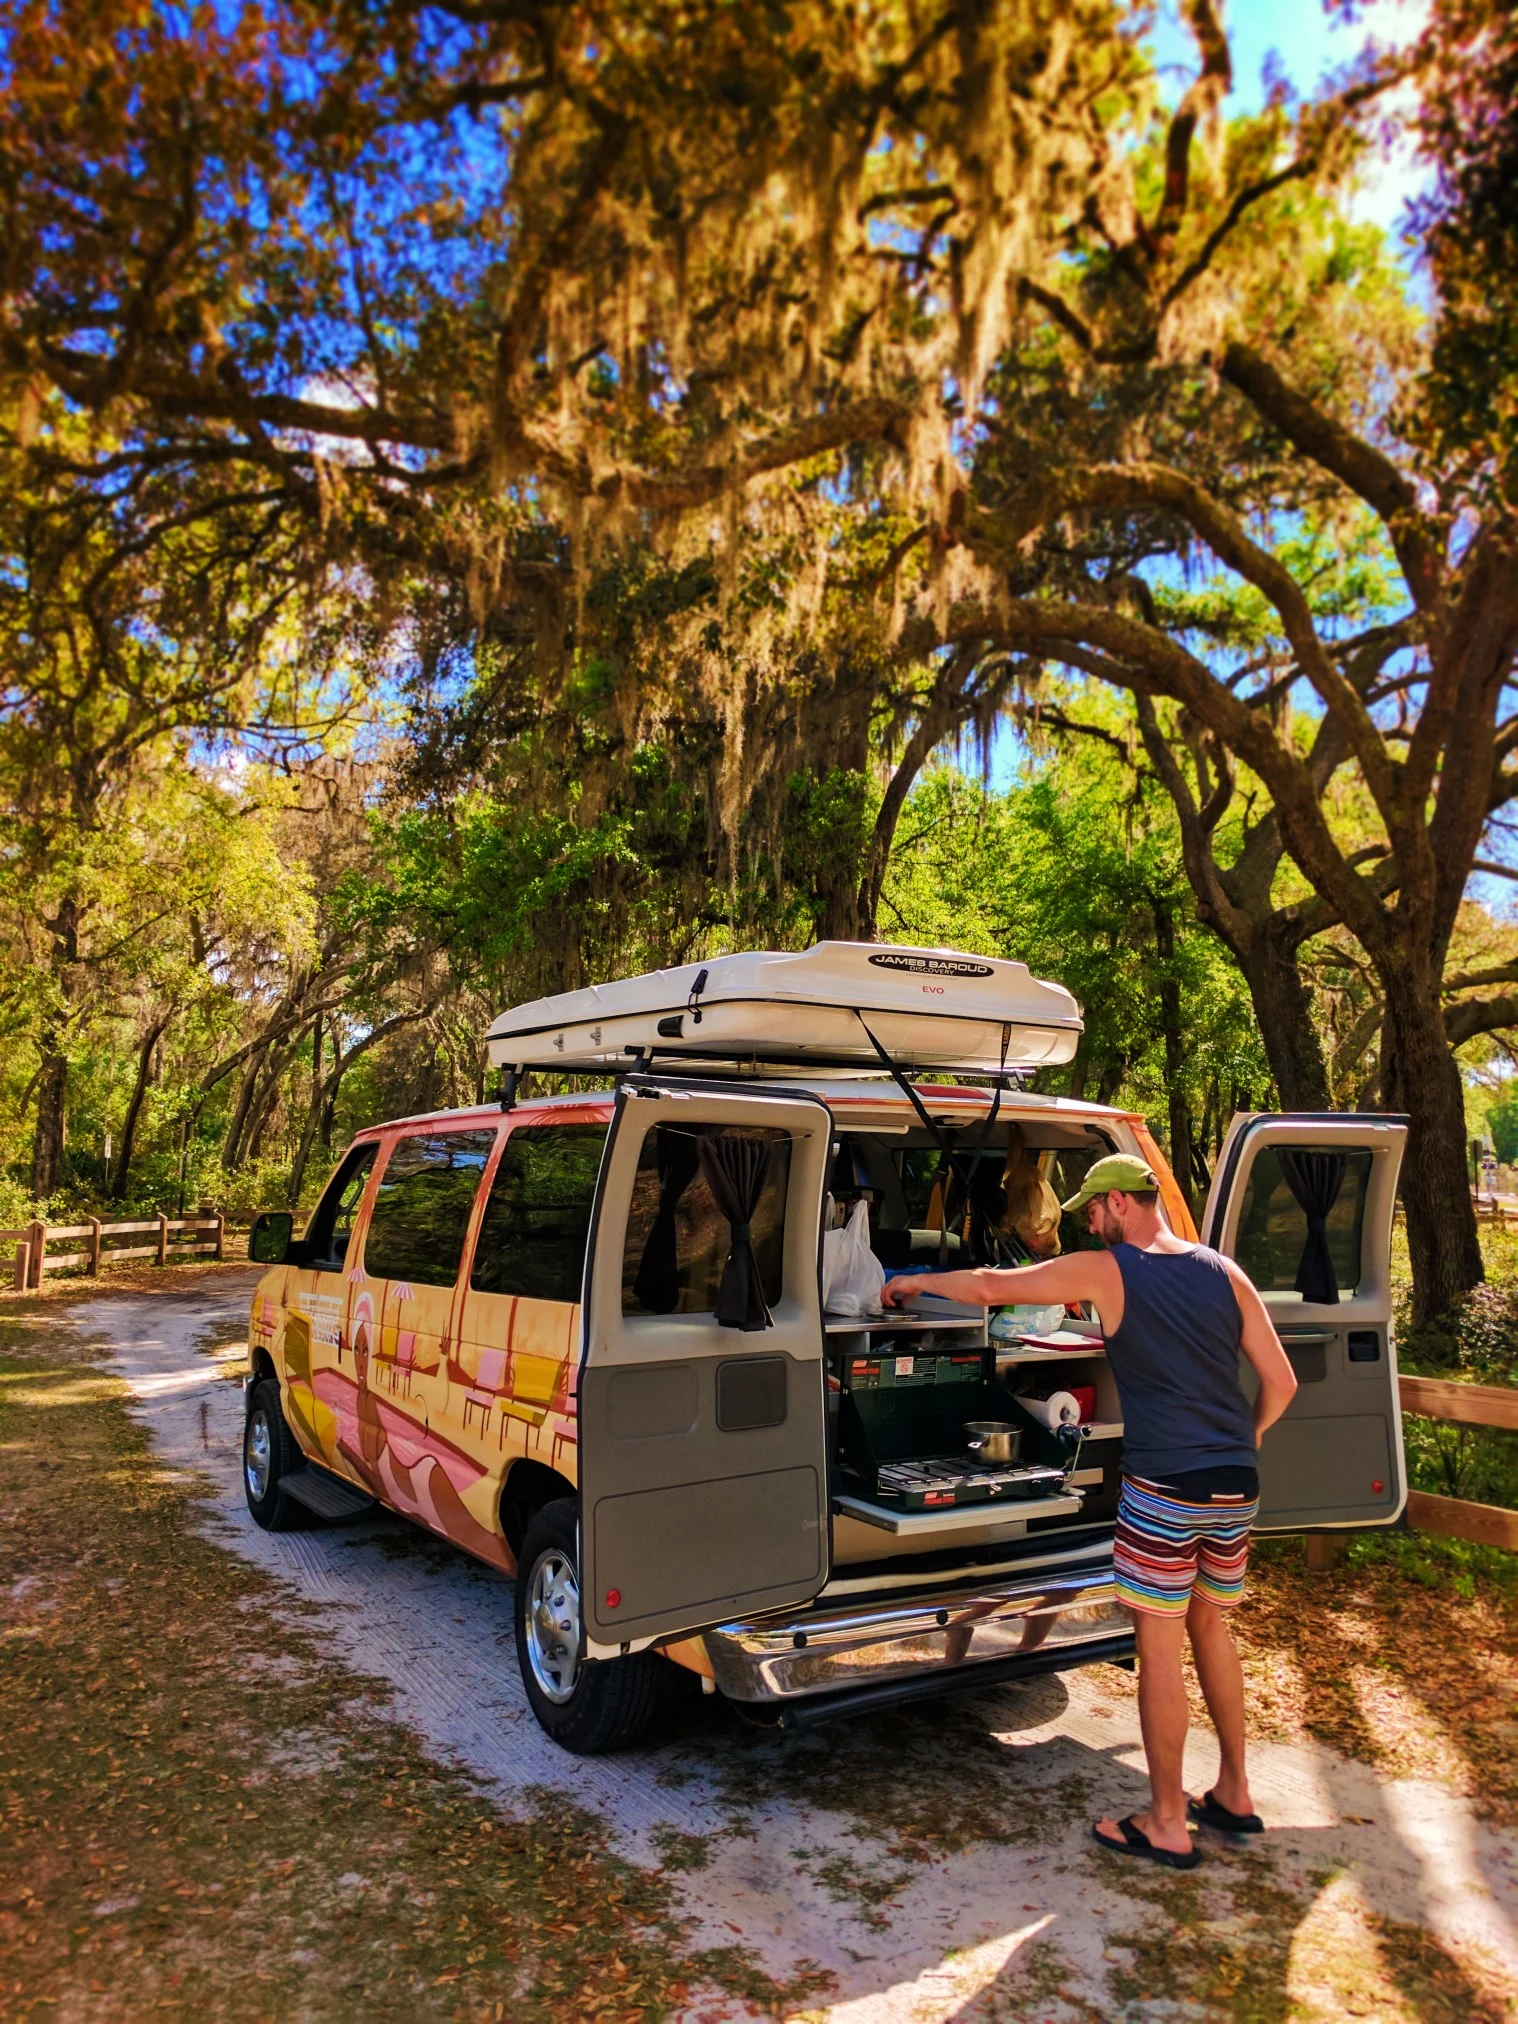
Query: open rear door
(703,1441)
(1305,1206)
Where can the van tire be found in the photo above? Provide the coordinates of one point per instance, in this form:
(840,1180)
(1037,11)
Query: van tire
(601,1704)
(269,1455)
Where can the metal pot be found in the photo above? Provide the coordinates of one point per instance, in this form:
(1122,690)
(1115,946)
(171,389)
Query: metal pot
(993,1440)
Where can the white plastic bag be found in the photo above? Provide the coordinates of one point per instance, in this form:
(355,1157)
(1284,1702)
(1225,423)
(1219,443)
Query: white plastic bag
(852,1275)
(1010,1324)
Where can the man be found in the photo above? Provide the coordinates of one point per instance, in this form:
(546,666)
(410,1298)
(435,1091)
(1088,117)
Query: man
(1175,1317)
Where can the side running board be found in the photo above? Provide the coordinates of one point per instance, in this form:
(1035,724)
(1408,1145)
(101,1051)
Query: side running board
(326,1495)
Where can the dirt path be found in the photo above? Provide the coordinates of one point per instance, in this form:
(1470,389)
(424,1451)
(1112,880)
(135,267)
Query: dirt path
(935,1864)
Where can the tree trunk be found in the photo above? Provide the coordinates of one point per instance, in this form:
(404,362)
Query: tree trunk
(1282,1004)
(1108,1083)
(329,1102)
(140,1089)
(839,918)
(263,1111)
(1422,1077)
(313,1115)
(231,1151)
(47,1145)
(865,903)
(1175,1055)
(53,1072)
(266,1103)
(945,708)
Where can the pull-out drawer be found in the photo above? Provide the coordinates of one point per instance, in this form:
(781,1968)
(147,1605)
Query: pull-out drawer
(1006,1519)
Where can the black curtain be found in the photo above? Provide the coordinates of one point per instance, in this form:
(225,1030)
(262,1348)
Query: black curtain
(1315,1178)
(736,1170)
(657,1286)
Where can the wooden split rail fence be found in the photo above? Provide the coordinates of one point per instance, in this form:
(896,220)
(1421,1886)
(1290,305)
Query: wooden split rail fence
(179,1238)
(1470,1405)
(175,1240)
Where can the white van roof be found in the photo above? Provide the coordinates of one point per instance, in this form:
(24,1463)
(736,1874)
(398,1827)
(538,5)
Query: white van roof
(927,1008)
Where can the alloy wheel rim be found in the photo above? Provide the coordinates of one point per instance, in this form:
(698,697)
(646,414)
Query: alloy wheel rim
(553,1626)
(258,1455)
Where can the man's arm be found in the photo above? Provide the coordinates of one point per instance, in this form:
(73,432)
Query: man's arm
(1079,1275)
(1262,1346)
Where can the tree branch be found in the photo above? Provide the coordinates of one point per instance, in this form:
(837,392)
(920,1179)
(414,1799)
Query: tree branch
(1243,202)
(1365,470)
(699,484)
(1116,486)
(1203,96)
(1470,1016)
(1478,980)
(1146,661)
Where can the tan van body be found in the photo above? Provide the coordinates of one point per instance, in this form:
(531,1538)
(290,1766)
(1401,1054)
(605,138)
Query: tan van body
(719,1534)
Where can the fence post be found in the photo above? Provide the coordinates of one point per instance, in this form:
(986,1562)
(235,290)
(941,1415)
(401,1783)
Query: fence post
(21,1271)
(221,1229)
(38,1245)
(163,1239)
(94,1264)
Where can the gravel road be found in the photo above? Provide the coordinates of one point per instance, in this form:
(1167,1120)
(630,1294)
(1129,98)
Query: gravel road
(938,1863)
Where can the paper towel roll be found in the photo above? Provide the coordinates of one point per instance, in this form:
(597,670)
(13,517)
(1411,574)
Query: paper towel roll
(1060,1410)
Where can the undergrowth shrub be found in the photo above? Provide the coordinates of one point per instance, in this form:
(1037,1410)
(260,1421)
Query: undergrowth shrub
(1477,1337)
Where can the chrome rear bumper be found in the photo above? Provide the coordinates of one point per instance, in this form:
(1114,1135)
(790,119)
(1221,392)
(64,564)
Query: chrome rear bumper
(824,1651)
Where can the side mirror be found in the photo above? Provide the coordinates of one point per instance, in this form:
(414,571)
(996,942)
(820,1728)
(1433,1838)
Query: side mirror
(270,1238)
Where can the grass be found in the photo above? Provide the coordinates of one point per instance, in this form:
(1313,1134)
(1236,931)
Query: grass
(205,1816)
(1475,1343)
(1404,1656)
(1271,1953)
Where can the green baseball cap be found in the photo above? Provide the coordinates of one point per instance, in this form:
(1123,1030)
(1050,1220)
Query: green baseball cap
(1123,1173)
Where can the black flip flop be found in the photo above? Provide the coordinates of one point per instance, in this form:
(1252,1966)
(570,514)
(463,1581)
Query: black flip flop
(1136,1842)
(1210,1812)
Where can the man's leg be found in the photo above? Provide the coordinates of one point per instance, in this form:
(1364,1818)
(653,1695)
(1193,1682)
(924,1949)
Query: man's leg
(1222,1678)
(1162,1717)
(1154,1561)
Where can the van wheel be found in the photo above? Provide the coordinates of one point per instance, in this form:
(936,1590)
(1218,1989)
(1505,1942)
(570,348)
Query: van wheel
(587,1706)
(269,1455)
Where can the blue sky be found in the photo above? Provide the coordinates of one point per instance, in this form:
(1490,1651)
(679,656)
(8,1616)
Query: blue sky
(1308,45)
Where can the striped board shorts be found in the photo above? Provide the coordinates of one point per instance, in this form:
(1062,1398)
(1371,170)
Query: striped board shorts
(1167,1549)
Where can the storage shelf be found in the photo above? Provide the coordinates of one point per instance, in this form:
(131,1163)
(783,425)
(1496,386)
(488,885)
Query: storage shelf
(920,1324)
(1003,1514)
(1006,1353)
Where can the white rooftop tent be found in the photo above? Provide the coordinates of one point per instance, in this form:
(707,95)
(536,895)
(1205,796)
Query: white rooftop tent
(839,1004)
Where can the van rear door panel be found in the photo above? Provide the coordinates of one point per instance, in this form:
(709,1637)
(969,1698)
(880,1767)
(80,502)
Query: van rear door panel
(1335,1459)
(703,1453)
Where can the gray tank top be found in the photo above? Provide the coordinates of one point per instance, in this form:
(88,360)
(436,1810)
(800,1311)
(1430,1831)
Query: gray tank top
(1176,1362)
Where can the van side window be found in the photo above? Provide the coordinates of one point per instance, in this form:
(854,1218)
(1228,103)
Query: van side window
(678,1239)
(1290,1189)
(421,1207)
(537,1222)
(325,1244)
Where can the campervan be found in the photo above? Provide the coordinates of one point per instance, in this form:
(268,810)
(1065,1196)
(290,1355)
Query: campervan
(625,1343)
